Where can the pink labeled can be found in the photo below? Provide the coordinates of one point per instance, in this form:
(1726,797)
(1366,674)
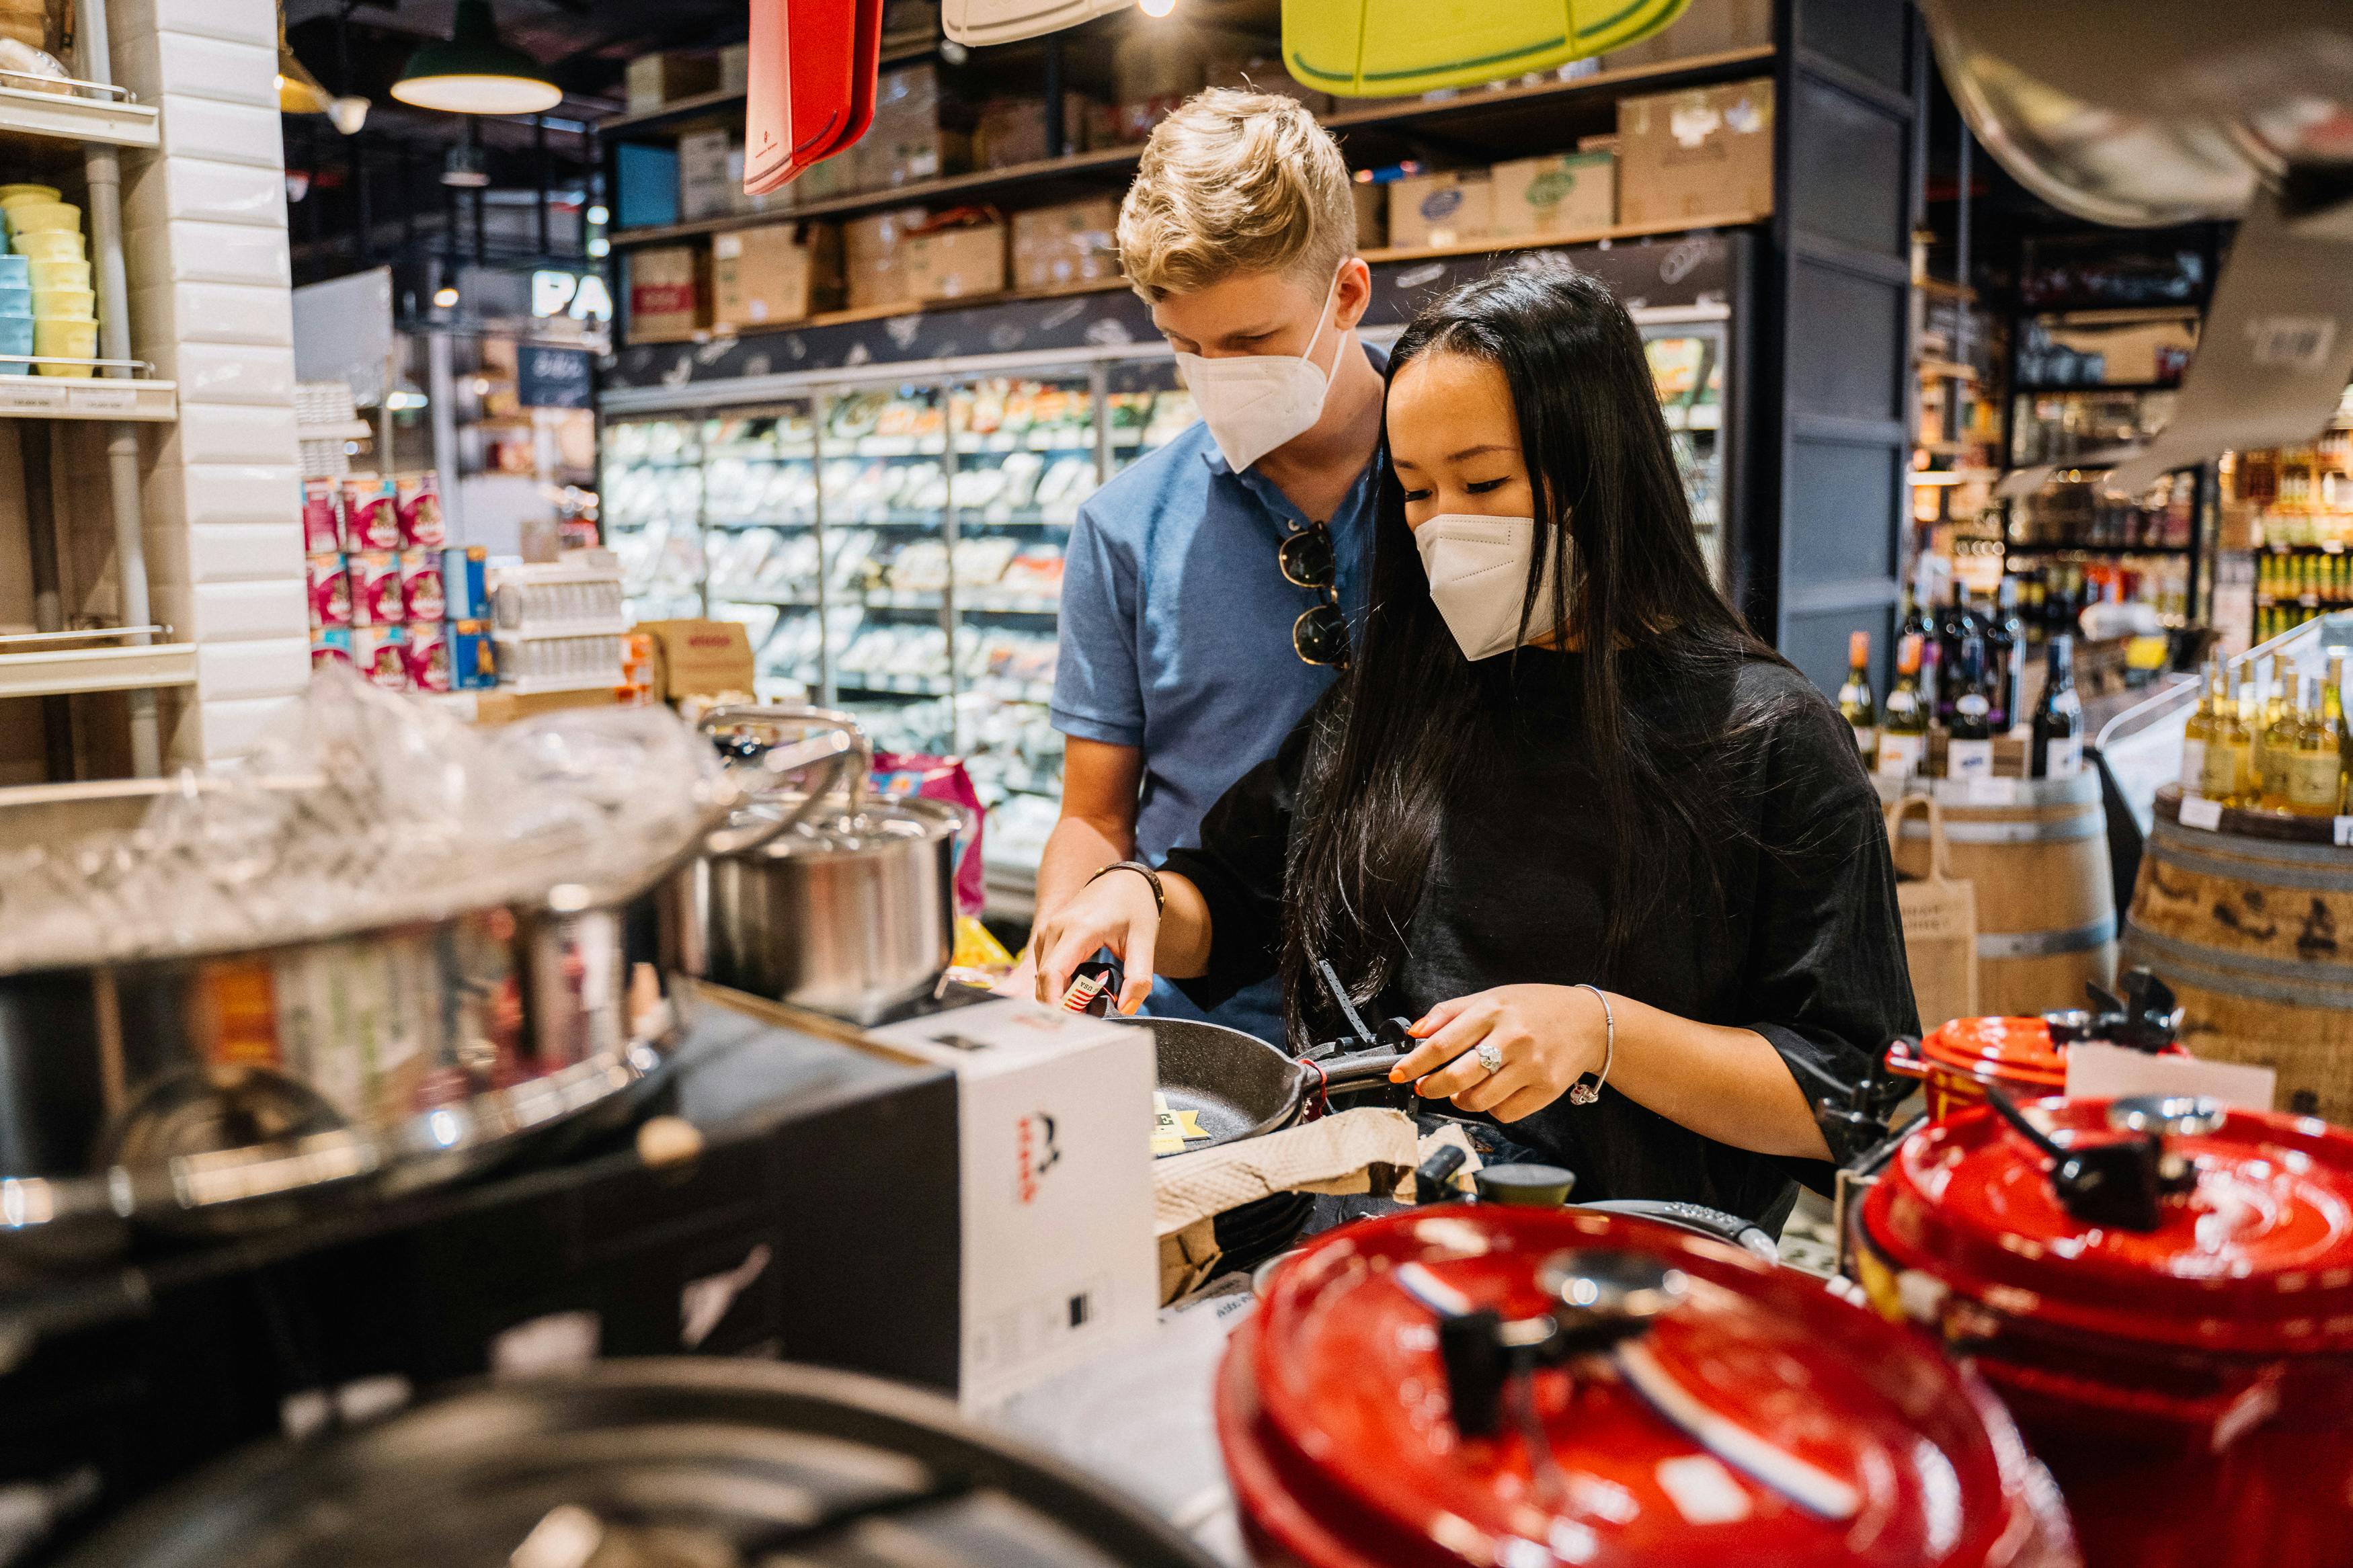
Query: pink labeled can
(421,588)
(375,589)
(427,657)
(331,645)
(331,591)
(418,499)
(322,517)
(371,515)
(381,654)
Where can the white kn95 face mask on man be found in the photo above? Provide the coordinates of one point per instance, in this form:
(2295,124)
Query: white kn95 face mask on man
(1478,569)
(1254,403)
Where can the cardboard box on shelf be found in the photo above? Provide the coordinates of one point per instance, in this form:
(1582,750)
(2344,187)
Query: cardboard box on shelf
(1010,130)
(1705,154)
(1452,208)
(668,300)
(920,131)
(1074,242)
(734,67)
(1606,143)
(656,80)
(1705,28)
(957,263)
(874,259)
(699,658)
(773,275)
(706,188)
(1568,193)
(1372,214)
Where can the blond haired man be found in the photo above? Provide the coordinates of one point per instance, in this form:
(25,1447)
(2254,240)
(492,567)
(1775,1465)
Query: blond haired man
(1209,590)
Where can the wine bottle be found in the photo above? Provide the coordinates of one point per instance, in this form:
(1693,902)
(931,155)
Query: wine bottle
(2273,745)
(2005,637)
(1904,725)
(2313,763)
(2200,734)
(2058,739)
(1968,745)
(1956,623)
(1856,704)
(1920,621)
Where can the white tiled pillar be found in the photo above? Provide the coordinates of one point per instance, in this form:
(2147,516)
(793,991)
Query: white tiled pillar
(204,240)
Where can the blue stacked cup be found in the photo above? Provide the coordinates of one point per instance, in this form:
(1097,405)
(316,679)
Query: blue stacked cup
(16,313)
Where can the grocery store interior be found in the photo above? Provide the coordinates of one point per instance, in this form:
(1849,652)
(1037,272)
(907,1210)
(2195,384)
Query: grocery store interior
(665,667)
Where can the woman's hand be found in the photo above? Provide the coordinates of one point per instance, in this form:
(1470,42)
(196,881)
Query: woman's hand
(1115,910)
(1545,1036)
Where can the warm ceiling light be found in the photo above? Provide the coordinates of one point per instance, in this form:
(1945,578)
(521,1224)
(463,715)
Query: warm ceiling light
(348,113)
(1155,8)
(299,91)
(475,71)
(446,296)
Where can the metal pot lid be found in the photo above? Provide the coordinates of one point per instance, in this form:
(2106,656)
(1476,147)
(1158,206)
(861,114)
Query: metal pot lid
(875,826)
(2256,1254)
(2017,1050)
(1728,1411)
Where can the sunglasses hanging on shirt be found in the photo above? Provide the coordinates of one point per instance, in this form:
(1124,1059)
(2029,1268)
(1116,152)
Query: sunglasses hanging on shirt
(1320,636)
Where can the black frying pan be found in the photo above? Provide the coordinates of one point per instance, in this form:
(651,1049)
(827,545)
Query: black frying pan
(1240,1087)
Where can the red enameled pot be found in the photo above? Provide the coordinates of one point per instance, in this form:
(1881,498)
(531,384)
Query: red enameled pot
(1774,1424)
(2192,1387)
(1956,1060)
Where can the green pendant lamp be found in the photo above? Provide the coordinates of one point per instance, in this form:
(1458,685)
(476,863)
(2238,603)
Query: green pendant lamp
(476,71)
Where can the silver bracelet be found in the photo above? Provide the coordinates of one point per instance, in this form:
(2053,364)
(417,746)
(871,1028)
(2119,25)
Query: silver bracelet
(1587,1086)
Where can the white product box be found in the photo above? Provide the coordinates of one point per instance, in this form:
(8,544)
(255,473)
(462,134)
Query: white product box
(1054,1113)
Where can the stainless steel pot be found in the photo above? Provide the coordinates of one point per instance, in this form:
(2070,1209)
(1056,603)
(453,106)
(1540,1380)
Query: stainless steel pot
(849,909)
(224,1088)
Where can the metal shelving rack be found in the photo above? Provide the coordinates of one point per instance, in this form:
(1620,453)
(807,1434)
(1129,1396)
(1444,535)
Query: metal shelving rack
(55,661)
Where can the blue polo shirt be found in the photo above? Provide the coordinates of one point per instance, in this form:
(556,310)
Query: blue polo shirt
(1175,638)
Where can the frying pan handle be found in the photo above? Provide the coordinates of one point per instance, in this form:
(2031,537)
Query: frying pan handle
(1357,1068)
(1744,1234)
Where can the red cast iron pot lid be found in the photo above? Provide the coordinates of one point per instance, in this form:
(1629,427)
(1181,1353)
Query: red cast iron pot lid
(2256,1258)
(2017,1050)
(1334,1415)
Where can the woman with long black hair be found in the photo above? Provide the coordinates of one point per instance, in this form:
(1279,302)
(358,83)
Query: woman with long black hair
(1616,858)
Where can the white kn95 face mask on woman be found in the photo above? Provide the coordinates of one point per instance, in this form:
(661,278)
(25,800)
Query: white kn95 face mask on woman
(1478,569)
(1254,403)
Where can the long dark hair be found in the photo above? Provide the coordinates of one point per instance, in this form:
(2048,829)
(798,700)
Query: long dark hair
(1632,586)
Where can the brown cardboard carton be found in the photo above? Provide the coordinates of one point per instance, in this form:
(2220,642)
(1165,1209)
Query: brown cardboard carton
(1705,155)
(919,132)
(957,263)
(874,259)
(1452,208)
(699,659)
(1010,130)
(656,80)
(1705,28)
(706,186)
(1568,193)
(771,276)
(668,300)
(1056,246)
(1372,214)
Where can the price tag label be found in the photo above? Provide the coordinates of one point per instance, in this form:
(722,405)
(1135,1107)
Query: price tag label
(1989,791)
(2198,811)
(23,392)
(2344,832)
(102,399)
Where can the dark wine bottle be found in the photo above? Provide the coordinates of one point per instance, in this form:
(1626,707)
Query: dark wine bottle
(2005,636)
(2057,748)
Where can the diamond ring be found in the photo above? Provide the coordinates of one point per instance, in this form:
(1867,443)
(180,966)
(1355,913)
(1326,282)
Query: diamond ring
(1490,1055)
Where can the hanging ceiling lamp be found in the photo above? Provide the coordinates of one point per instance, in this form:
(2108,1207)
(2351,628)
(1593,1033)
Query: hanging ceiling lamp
(475,71)
(299,91)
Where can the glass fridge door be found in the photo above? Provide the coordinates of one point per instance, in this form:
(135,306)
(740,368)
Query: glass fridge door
(1028,451)
(652,514)
(1687,368)
(883,490)
(760,541)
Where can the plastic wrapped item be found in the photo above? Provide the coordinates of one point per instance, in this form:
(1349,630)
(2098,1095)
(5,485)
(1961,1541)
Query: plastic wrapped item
(362,810)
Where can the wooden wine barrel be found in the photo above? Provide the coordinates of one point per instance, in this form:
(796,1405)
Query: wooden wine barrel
(2037,850)
(2251,924)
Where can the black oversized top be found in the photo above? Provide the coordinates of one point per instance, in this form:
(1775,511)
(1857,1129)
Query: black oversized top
(1804,946)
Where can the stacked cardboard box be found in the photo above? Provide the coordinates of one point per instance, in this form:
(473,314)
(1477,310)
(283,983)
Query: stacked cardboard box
(774,274)
(874,259)
(1566,194)
(670,298)
(919,131)
(1074,243)
(1704,155)
(957,262)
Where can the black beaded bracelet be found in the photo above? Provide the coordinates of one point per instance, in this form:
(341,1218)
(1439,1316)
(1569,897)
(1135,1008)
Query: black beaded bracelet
(1159,893)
